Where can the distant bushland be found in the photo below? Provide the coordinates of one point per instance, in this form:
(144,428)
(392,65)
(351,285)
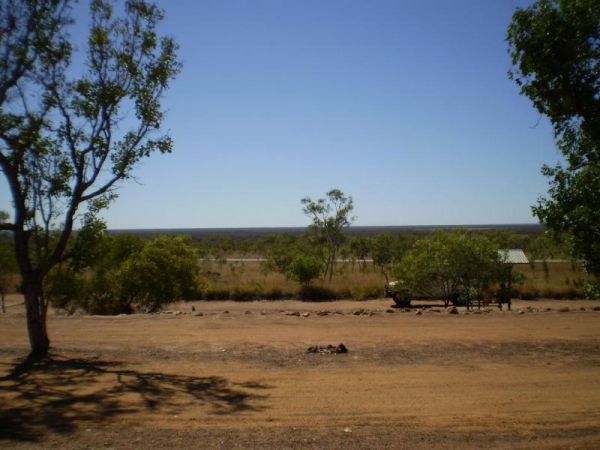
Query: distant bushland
(117,275)
(254,233)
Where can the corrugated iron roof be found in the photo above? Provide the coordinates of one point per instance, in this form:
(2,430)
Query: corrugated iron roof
(513,256)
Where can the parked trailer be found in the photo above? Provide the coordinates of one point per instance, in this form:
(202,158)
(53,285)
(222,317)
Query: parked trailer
(402,297)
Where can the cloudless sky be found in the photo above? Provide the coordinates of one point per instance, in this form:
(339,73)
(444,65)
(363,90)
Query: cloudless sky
(403,104)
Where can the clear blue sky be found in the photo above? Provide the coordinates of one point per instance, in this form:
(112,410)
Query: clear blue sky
(403,104)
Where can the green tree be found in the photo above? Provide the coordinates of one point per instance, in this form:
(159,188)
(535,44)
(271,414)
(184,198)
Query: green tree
(330,216)
(448,263)
(279,251)
(555,50)
(127,275)
(360,249)
(545,246)
(90,279)
(509,239)
(67,289)
(113,250)
(387,249)
(162,272)
(64,143)
(304,269)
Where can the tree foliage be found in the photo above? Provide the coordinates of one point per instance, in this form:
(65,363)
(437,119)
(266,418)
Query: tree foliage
(304,269)
(555,50)
(447,263)
(129,274)
(360,249)
(387,249)
(162,272)
(69,137)
(279,251)
(330,216)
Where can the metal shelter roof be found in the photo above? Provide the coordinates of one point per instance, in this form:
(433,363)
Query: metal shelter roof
(513,256)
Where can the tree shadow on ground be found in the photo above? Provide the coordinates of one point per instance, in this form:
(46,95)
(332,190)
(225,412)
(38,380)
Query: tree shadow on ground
(57,394)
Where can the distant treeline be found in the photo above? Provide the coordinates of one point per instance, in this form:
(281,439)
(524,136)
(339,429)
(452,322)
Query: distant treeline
(260,232)
(363,243)
(220,243)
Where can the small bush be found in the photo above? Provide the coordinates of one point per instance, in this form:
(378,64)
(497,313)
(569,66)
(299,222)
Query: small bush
(64,289)
(304,269)
(103,297)
(95,294)
(592,290)
(163,271)
(106,305)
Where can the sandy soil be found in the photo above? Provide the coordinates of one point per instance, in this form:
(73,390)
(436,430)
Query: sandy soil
(238,376)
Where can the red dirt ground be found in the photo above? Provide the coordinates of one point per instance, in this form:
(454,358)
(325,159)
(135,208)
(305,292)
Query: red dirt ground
(238,376)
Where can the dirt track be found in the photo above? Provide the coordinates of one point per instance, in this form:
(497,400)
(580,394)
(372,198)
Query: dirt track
(242,378)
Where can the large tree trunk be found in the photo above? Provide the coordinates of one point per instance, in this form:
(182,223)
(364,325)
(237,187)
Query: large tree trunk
(36,316)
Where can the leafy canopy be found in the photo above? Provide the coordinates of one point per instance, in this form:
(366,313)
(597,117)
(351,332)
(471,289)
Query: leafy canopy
(128,274)
(555,50)
(329,217)
(304,269)
(446,263)
(387,249)
(69,136)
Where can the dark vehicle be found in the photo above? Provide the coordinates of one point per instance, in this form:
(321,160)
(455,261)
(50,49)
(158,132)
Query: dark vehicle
(398,292)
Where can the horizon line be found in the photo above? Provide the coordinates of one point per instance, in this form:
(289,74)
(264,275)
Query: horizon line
(296,227)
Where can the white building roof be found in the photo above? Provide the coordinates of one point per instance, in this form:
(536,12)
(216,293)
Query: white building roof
(513,256)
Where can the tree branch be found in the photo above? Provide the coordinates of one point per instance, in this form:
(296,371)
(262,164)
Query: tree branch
(102,190)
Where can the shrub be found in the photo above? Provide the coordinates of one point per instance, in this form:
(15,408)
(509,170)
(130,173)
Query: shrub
(162,272)
(103,296)
(64,289)
(97,293)
(387,249)
(127,274)
(445,263)
(304,269)
(280,251)
(592,290)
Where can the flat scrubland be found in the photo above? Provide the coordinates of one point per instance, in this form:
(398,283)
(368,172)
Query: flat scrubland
(237,375)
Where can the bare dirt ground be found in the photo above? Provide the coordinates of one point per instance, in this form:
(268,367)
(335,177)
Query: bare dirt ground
(238,376)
